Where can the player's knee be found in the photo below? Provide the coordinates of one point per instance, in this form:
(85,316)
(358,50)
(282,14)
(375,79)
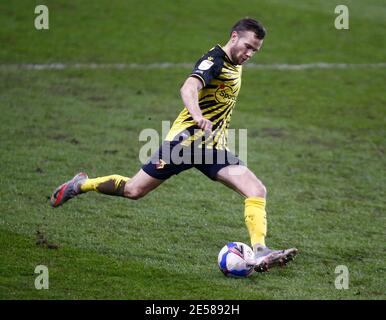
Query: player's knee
(133,193)
(259,190)
(263,190)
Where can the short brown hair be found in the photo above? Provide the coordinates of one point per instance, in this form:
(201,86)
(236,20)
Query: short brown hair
(249,24)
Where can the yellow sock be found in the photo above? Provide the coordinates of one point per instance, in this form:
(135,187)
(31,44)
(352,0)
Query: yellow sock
(256,219)
(112,185)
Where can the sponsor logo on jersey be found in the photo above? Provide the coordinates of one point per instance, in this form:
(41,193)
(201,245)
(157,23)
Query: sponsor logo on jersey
(224,94)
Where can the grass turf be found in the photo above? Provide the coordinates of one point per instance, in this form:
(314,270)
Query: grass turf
(316,138)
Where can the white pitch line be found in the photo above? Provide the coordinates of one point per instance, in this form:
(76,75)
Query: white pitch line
(317,65)
(170,65)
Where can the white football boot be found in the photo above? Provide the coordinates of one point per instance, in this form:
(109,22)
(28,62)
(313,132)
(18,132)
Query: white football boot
(267,258)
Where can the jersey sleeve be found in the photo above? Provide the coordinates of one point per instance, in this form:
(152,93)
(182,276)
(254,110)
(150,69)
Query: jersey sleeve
(207,67)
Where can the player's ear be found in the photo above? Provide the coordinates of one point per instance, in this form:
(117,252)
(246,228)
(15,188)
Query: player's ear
(234,36)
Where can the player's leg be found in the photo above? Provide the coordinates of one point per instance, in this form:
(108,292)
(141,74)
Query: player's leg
(229,170)
(81,183)
(114,185)
(140,185)
(244,181)
(149,177)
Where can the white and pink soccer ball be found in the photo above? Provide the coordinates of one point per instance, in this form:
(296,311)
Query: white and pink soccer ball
(236,259)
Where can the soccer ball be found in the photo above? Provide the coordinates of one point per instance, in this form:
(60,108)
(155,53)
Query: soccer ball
(236,259)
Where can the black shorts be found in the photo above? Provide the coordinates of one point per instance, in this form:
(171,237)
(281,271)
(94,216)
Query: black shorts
(172,158)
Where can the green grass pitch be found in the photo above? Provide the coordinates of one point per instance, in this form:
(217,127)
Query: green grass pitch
(316,138)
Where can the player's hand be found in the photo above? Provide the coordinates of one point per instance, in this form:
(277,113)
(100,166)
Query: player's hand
(204,124)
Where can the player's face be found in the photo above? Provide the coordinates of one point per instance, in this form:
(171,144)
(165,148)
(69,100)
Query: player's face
(244,46)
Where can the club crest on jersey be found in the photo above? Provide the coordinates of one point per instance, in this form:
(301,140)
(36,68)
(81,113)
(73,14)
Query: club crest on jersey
(205,65)
(160,164)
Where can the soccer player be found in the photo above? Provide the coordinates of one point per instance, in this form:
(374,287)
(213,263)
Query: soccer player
(198,138)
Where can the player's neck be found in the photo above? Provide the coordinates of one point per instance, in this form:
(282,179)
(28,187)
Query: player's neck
(227,50)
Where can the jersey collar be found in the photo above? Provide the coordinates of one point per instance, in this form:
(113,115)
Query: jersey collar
(226,56)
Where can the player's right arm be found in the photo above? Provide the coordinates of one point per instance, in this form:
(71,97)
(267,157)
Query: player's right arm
(189,94)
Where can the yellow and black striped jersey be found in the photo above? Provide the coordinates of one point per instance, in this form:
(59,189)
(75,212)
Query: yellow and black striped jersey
(221,81)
